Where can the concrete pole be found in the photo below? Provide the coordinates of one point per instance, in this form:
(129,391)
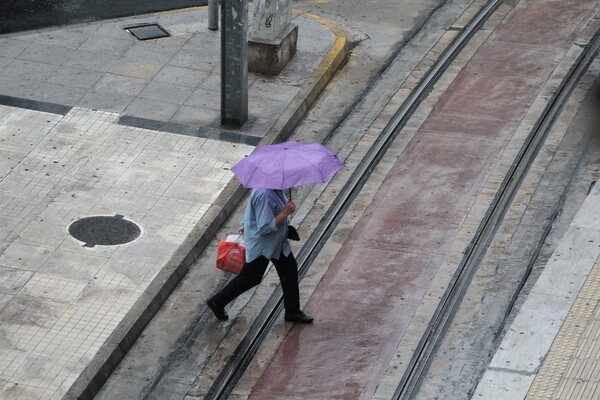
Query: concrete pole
(234,62)
(213,15)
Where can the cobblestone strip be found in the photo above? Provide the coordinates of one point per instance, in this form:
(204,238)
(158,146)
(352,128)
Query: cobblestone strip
(571,369)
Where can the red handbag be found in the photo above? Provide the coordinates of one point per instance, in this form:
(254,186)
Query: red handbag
(231,255)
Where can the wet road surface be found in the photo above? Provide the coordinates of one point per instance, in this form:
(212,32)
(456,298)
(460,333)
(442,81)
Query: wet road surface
(370,297)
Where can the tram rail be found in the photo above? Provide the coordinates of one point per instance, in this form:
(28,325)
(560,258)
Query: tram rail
(243,354)
(451,300)
(484,235)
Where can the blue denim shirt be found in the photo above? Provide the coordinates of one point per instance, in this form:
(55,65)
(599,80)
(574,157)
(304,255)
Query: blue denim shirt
(261,236)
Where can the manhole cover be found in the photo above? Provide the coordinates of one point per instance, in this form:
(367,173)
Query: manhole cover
(147,31)
(104,231)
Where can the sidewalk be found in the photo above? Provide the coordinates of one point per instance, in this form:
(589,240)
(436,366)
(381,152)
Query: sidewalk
(96,123)
(550,350)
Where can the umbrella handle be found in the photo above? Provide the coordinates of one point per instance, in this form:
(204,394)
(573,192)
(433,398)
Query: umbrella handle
(290,193)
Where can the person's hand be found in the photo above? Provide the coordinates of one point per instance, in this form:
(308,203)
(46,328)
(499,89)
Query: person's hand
(289,208)
(241,230)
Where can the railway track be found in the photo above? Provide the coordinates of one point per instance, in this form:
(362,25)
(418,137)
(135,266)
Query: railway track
(409,384)
(243,354)
(442,318)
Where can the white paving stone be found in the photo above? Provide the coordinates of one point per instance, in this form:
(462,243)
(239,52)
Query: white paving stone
(59,300)
(503,385)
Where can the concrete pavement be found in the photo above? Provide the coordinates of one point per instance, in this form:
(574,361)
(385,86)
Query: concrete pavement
(550,349)
(96,123)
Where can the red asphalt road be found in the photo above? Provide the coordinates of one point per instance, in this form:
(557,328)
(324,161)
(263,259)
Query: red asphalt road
(371,291)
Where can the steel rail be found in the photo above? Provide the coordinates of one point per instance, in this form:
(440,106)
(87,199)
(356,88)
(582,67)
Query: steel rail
(243,354)
(484,235)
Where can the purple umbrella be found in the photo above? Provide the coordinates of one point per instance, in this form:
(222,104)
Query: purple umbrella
(286,165)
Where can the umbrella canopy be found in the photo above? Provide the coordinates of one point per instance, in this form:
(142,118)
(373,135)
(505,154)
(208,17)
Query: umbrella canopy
(286,165)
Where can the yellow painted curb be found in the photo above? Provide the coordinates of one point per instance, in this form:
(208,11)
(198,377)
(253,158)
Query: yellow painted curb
(338,51)
(332,60)
(314,86)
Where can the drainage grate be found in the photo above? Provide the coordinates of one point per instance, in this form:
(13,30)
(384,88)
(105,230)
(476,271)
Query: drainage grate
(147,31)
(104,231)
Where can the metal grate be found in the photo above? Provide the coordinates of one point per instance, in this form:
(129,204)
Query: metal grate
(104,231)
(147,31)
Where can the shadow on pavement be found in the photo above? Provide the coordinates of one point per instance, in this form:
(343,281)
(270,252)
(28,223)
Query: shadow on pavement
(21,15)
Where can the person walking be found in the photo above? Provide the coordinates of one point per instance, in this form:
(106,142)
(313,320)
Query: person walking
(265,236)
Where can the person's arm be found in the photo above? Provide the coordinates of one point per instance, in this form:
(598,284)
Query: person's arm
(266,220)
(289,209)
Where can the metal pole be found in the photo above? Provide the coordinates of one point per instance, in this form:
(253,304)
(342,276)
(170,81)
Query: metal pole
(234,62)
(213,15)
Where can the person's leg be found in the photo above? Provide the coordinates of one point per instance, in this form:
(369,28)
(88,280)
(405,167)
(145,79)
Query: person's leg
(250,276)
(287,269)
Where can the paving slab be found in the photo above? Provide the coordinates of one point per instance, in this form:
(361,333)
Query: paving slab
(102,66)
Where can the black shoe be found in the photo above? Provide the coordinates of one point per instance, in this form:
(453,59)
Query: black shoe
(298,317)
(217,310)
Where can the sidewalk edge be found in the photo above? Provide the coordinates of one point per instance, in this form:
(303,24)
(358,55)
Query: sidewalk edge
(112,352)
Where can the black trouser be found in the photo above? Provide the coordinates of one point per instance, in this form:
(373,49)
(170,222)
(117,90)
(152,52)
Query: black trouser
(251,275)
